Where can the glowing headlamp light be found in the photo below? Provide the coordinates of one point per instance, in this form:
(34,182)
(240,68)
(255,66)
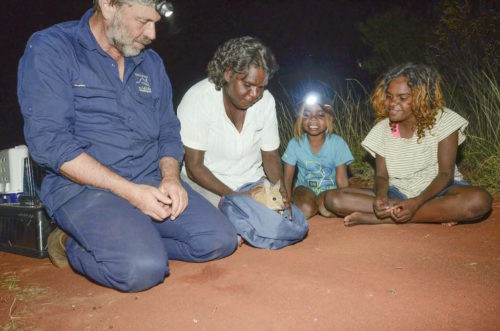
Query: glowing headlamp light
(311,99)
(314,98)
(165,9)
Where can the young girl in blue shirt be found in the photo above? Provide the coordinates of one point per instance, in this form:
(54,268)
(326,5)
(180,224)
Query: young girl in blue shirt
(320,156)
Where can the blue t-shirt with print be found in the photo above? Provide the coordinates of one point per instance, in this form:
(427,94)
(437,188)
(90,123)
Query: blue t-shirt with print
(316,171)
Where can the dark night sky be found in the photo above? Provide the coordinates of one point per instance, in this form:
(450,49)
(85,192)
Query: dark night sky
(309,38)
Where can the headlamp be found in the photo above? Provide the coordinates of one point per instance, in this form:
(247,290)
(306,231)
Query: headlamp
(313,98)
(165,9)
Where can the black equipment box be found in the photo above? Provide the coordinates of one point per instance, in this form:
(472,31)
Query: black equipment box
(24,229)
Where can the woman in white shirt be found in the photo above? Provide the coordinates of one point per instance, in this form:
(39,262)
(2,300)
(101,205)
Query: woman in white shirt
(228,122)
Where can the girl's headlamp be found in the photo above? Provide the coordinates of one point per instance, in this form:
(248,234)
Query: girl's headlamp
(314,98)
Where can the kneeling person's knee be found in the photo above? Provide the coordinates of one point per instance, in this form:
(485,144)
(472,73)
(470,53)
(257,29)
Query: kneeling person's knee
(215,245)
(140,273)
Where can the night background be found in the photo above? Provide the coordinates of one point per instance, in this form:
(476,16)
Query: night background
(309,39)
(330,41)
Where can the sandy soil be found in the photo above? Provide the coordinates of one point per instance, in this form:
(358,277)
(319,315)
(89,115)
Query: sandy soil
(386,277)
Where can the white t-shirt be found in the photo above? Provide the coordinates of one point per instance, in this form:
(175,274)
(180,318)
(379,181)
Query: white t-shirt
(412,166)
(233,157)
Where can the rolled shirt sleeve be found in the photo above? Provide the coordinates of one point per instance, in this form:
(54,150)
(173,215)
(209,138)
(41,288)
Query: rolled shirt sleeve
(170,143)
(46,100)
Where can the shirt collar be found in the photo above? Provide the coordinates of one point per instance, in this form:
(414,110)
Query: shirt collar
(88,41)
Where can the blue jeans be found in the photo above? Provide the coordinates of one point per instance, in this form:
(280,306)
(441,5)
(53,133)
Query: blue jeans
(395,193)
(116,245)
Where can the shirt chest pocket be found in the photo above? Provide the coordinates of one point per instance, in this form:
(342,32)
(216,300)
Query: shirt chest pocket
(94,100)
(143,100)
(142,110)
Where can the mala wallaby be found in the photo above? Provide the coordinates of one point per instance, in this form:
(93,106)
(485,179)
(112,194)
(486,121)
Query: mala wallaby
(269,195)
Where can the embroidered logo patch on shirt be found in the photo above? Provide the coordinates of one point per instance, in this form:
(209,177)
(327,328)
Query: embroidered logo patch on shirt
(142,82)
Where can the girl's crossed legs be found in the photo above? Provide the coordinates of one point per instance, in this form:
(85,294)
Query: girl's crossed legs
(457,203)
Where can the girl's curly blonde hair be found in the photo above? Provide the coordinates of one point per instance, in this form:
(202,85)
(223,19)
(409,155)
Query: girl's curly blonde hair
(298,131)
(427,97)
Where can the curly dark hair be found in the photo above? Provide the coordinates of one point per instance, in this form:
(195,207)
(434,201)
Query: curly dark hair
(427,97)
(238,55)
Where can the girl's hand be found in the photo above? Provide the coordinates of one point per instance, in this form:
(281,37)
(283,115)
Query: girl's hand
(403,211)
(286,199)
(381,207)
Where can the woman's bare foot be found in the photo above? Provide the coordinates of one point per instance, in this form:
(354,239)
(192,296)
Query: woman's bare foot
(358,218)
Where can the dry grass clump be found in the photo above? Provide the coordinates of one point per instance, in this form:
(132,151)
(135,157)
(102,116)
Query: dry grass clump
(473,94)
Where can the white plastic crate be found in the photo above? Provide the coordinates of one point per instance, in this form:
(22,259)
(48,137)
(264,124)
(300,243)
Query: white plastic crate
(12,169)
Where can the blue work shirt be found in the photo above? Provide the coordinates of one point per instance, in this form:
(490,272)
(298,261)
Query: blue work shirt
(73,101)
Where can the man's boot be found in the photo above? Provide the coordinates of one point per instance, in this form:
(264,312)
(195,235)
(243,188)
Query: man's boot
(57,249)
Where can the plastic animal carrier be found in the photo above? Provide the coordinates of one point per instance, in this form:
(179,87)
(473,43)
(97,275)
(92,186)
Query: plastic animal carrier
(24,224)
(12,165)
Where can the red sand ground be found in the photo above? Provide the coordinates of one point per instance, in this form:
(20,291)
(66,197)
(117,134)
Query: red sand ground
(386,277)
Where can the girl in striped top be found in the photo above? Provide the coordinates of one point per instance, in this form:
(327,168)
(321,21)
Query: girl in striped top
(414,142)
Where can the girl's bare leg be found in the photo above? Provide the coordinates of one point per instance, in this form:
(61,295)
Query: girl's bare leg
(460,203)
(304,198)
(320,203)
(348,200)
(358,218)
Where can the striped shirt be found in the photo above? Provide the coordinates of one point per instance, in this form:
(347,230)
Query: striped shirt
(412,165)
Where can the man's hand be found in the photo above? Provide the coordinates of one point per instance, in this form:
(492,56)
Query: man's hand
(150,201)
(176,193)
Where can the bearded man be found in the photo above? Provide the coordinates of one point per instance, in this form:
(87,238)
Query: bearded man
(97,106)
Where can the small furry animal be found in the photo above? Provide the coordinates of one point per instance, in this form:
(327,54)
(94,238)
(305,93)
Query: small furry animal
(269,195)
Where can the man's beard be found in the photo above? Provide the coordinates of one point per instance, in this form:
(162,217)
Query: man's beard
(119,34)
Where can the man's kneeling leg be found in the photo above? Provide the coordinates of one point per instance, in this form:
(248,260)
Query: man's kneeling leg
(201,233)
(112,242)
